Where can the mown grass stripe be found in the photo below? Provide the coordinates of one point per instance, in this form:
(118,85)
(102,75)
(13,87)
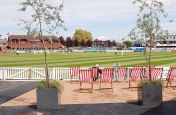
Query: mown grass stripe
(81,59)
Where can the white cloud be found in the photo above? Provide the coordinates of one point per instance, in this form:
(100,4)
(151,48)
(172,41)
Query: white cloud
(87,11)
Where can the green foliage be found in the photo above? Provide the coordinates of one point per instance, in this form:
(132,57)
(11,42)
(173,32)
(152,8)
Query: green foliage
(151,82)
(128,43)
(148,23)
(53,84)
(82,35)
(45,17)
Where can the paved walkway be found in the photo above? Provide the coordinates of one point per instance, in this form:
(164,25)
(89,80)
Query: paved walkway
(12,89)
(122,101)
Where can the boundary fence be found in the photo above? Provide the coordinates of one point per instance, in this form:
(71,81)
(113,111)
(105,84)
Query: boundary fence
(33,73)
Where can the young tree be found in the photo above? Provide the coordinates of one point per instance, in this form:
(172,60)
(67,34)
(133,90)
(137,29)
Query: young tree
(45,17)
(148,22)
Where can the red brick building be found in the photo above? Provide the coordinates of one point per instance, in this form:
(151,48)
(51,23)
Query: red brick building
(24,42)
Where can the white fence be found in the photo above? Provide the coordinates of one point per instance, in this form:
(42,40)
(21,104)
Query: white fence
(33,73)
(22,73)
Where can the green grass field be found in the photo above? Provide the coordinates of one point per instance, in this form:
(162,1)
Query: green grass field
(85,59)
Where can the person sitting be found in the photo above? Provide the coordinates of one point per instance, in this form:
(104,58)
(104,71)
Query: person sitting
(99,72)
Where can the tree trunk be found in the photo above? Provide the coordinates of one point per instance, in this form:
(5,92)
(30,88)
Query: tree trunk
(149,60)
(45,55)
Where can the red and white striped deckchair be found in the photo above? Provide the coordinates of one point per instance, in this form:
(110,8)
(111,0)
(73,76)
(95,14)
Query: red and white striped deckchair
(85,76)
(147,70)
(74,71)
(107,76)
(121,72)
(155,73)
(171,76)
(135,75)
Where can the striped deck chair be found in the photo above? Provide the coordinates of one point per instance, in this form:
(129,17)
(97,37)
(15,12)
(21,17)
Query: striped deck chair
(85,76)
(74,71)
(107,76)
(121,73)
(171,77)
(135,75)
(155,73)
(146,72)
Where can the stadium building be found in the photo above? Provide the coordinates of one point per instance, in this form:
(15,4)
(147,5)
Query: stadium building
(168,42)
(24,42)
(99,43)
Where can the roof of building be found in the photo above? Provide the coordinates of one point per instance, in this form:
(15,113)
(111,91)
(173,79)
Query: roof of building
(20,37)
(29,37)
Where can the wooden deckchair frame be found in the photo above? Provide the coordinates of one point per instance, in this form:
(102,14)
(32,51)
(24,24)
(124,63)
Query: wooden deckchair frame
(81,82)
(130,81)
(111,79)
(169,79)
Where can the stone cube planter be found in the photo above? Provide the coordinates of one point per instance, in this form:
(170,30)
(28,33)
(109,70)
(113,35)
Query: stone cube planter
(151,94)
(47,99)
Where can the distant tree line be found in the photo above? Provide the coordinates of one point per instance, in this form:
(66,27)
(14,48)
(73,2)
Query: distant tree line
(72,42)
(81,38)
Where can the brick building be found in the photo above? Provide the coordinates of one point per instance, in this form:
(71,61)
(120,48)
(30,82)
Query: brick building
(24,42)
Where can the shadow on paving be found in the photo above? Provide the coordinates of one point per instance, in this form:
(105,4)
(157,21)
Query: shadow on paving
(167,108)
(77,109)
(12,89)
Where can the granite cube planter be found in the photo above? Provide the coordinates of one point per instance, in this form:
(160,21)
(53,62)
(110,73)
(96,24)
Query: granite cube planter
(47,99)
(151,94)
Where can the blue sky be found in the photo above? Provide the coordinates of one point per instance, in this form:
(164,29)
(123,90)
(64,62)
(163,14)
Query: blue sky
(105,19)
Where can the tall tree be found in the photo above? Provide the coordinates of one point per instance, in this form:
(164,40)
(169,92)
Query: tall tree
(128,43)
(89,43)
(75,43)
(45,17)
(148,22)
(69,42)
(114,43)
(83,43)
(109,43)
(81,34)
(62,40)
